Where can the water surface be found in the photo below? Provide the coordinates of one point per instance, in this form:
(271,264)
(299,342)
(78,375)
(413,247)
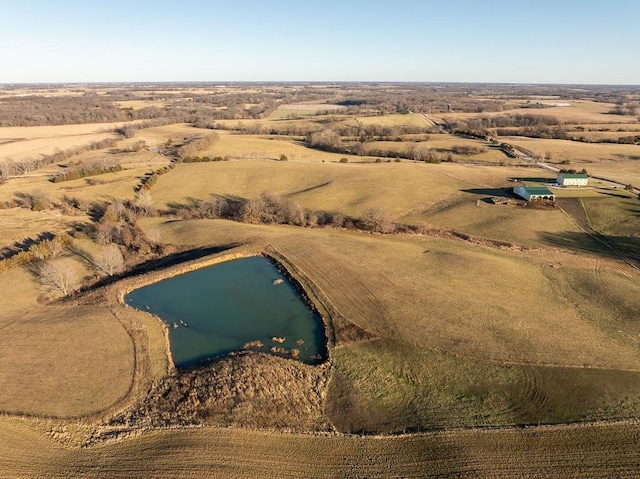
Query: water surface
(240,304)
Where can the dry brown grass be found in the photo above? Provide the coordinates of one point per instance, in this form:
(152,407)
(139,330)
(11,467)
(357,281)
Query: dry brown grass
(580,111)
(574,151)
(22,142)
(303,109)
(119,184)
(386,296)
(602,451)
(442,143)
(450,334)
(19,224)
(446,195)
(412,119)
(138,104)
(79,358)
(255,147)
(624,172)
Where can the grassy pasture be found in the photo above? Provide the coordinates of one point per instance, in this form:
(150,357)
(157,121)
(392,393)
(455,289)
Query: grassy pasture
(301,110)
(624,128)
(624,172)
(443,143)
(346,188)
(160,134)
(412,119)
(118,184)
(580,111)
(576,152)
(598,452)
(600,136)
(390,302)
(527,227)
(258,147)
(491,354)
(19,224)
(446,195)
(465,335)
(79,358)
(21,142)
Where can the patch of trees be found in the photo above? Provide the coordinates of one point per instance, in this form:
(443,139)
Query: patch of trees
(39,256)
(631,108)
(573,171)
(42,110)
(327,140)
(78,173)
(268,208)
(31,250)
(117,224)
(152,178)
(39,110)
(346,129)
(34,201)
(623,140)
(26,165)
(467,150)
(193,146)
(556,133)
(480,126)
(271,208)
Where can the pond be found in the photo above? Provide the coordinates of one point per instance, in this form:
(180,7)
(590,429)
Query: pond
(241,304)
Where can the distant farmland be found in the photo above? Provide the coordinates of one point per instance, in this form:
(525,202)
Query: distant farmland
(470,334)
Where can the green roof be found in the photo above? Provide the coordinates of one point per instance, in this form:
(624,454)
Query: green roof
(573,175)
(538,190)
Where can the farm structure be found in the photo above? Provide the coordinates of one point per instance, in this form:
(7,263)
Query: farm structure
(572,179)
(534,193)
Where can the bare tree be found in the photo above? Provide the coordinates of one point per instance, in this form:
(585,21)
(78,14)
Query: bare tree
(7,169)
(253,211)
(337,220)
(144,202)
(25,165)
(294,214)
(109,260)
(378,220)
(214,207)
(57,276)
(54,247)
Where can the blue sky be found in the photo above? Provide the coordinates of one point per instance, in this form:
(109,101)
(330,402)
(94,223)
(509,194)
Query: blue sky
(323,40)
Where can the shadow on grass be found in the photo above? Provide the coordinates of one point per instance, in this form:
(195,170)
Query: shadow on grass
(627,246)
(24,245)
(627,157)
(617,195)
(164,262)
(533,179)
(488,192)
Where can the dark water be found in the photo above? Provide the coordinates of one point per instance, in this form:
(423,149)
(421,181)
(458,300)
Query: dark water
(219,309)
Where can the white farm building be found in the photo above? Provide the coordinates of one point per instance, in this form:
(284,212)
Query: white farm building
(572,179)
(534,193)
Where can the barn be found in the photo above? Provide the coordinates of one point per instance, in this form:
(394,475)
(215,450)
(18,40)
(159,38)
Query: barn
(534,193)
(572,179)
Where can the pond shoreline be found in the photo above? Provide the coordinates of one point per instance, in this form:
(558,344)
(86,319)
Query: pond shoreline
(118,290)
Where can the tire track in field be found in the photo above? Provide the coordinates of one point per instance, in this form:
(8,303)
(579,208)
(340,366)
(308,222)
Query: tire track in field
(347,291)
(576,212)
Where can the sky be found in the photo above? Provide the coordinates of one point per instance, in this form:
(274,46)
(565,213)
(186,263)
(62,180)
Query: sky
(517,41)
